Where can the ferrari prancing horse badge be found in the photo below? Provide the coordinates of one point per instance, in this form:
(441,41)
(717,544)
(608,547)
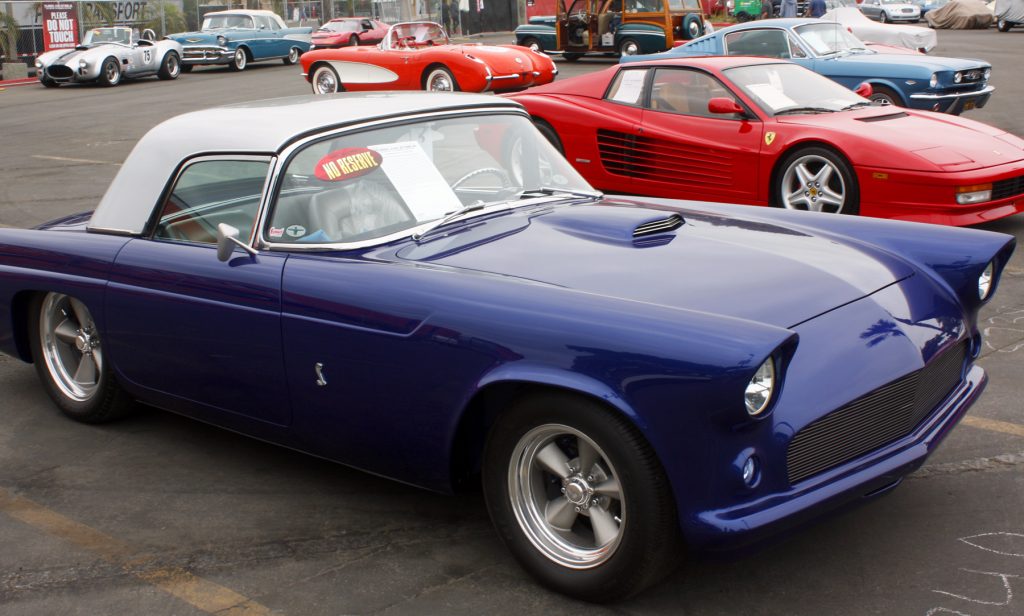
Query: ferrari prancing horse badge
(769,137)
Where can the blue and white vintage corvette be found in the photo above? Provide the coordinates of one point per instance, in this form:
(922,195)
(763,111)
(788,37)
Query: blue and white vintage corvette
(419,285)
(933,83)
(238,37)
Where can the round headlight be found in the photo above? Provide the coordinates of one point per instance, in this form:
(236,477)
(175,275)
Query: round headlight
(958,77)
(39,64)
(988,73)
(984,282)
(934,82)
(221,41)
(82,64)
(759,389)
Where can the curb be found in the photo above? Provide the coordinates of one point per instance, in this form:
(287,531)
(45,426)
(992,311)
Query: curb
(18,82)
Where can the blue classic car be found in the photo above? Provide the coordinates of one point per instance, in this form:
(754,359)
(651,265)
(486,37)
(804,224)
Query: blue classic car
(419,285)
(949,85)
(237,38)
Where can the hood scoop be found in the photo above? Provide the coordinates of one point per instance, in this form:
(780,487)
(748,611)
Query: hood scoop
(614,224)
(658,226)
(883,118)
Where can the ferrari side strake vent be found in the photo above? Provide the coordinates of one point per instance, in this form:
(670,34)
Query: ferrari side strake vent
(883,118)
(658,226)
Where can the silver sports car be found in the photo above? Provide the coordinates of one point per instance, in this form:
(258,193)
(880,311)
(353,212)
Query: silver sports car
(108,55)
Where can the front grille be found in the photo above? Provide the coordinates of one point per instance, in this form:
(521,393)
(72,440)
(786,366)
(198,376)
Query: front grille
(60,71)
(973,75)
(887,414)
(663,161)
(1008,187)
(658,226)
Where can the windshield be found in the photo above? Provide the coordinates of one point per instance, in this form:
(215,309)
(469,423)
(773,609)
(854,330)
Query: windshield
(828,38)
(341,26)
(107,35)
(786,88)
(416,35)
(219,22)
(390,181)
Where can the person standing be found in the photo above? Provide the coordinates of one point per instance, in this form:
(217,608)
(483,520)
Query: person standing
(788,8)
(818,8)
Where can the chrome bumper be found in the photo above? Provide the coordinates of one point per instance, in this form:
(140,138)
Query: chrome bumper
(206,55)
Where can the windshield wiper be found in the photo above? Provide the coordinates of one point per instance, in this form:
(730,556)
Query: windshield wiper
(550,191)
(856,105)
(804,110)
(472,207)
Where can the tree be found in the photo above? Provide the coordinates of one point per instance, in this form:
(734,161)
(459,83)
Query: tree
(9,31)
(172,19)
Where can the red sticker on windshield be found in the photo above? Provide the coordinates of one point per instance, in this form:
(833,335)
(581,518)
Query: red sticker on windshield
(346,164)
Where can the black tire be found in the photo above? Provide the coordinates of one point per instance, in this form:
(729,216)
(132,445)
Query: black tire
(353,41)
(100,402)
(883,18)
(570,56)
(170,68)
(842,180)
(110,72)
(239,60)
(743,17)
(532,43)
(186,68)
(629,47)
(48,83)
(549,133)
(1003,26)
(439,79)
(884,95)
(292,57)
(693,27)
(325,80)
(767,10)
(645,544)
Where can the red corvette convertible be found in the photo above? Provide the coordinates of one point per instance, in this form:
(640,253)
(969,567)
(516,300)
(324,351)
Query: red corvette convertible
(768,132)
(419,56)
(349,32)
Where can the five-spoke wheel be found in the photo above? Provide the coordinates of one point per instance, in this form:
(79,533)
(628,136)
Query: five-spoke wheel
(579,497)
(110,72)
(817,180)
(69,359)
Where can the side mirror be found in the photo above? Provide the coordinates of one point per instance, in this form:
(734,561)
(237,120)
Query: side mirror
(227,239)
(864,89)
(724,105)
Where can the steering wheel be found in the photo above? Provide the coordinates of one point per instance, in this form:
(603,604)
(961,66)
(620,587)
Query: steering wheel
(506,182)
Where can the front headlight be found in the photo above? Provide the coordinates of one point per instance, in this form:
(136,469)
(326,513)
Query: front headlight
(988,73)
(975,193)
(39,64)
(221,41)
(958,77)
(759,390)
(83,64)
(985,280)
(934,81)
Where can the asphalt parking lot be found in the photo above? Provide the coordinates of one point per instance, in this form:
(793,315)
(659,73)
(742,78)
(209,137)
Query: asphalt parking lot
(158,514)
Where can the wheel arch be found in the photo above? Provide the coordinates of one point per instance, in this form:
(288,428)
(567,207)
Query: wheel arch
(502,388)
(889,85)
(799,145)
(20,304)
(434,65)
(248,52)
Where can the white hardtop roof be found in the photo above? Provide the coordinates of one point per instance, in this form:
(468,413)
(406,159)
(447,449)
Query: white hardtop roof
(241,12)
(260,127)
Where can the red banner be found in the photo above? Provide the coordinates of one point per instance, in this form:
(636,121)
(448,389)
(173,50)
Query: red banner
(60,25)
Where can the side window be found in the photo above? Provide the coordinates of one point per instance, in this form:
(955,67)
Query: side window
(210,192)
(628,86)
(263,22)
(644,6)
(686,92)
(766,43)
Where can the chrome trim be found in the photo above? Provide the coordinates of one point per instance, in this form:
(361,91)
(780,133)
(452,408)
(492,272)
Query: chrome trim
(262,219)
(954,95)
(500,77)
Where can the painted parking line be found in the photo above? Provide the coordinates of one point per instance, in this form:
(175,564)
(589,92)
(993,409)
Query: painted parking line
(200,593)
(994,425)
(64,159)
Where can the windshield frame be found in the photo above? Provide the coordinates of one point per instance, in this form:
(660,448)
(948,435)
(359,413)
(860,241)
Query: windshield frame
(355,24)
(89,31)
(212,16)
(285,158)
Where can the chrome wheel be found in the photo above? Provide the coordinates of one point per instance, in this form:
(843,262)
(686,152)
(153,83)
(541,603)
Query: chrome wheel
(440,80)
(173,66)
(629,47)
(325,81)
(70,346)
(239,60)
(111,75)
(293,55)
(813,182)
(566,496)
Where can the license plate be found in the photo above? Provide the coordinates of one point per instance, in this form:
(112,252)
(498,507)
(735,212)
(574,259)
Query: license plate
(968,105)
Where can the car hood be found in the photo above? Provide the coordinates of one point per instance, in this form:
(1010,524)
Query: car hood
(778,275)
(934,142)
(68,56)
(204,36)
(503,59)
(873,61)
